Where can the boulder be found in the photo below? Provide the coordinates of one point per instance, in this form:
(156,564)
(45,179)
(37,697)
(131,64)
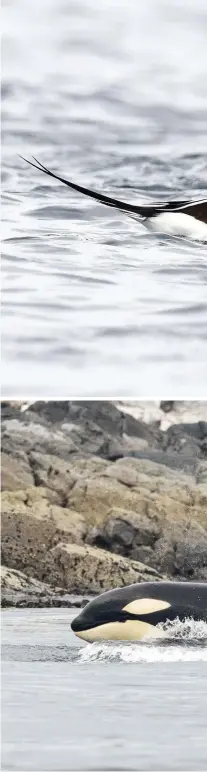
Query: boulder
(31,435)
(73,428)
(16,581)
(147,512)
(181,552)
(82,568)
(136,485)
(31,525)
(124,531)
(178,549)
(21,591)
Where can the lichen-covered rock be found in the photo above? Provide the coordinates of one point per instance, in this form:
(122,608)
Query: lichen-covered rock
(140,486)
(81,568)
(52,472)
(146,512)
(148,504)
(16,473)
(21,591)
(123,531)
(178,549)
(35,437)
(31,525)
(74,428)
(17,581)
(201,473)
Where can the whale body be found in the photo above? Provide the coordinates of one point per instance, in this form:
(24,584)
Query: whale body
(134,612)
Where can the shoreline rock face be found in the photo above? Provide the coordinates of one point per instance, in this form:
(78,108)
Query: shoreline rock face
(21,591)
(93,498)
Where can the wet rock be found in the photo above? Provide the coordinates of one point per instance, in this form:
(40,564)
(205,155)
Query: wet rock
(23,600)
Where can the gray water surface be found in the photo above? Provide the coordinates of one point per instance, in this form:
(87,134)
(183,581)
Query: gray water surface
(112,95)
(68,705)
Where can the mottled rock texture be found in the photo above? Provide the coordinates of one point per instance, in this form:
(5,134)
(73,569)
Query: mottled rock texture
(93,498)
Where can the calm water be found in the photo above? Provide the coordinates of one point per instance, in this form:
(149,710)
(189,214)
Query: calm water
(113,95)
(71,706)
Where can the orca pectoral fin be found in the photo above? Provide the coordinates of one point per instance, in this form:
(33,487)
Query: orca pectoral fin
(142,211)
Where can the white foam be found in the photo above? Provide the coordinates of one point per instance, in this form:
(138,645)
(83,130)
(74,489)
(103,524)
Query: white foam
(190,647)
(136,653)
(189,630)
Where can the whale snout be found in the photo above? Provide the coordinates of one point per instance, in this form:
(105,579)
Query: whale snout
(77,624)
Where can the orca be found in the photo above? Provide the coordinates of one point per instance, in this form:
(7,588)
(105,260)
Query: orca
(135,612)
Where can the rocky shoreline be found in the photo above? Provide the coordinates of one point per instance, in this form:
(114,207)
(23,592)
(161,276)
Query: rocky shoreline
(20,591)
(95,496)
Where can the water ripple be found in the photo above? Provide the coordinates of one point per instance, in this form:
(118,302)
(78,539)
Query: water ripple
(116,107)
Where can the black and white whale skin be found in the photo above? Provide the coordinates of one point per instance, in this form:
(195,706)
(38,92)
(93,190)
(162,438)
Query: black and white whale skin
(134,612)
(187,219)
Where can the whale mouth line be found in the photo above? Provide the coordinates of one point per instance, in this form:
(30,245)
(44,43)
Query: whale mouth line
(77,626)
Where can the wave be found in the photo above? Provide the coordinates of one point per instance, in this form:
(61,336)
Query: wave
(184,641)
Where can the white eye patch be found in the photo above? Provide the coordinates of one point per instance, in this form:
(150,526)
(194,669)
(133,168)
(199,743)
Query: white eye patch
(146,606)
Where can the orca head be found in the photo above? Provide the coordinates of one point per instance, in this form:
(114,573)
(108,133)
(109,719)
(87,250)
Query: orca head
(120,615)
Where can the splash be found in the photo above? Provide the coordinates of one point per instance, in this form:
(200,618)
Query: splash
(183,642)
(189,630)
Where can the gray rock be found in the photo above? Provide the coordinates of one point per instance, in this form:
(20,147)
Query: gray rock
(124,531)
(32,525)
(167,406)
(185,460)
(70,428)
(201,473)
(85,569)
(16,473)
(91,475)
(35,437)
(21,591)
(52,472)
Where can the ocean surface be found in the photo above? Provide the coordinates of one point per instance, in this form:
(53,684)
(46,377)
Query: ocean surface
(113,96)
(68,705)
